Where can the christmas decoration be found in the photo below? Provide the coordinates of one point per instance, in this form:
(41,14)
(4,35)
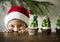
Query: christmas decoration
(58,25)
(33,24)
(46,26)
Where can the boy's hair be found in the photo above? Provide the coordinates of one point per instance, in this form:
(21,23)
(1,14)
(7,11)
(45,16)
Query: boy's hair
(19,20)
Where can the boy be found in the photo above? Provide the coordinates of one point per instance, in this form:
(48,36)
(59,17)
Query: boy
(16,20)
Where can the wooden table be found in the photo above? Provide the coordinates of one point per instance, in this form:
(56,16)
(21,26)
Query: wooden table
(18,37)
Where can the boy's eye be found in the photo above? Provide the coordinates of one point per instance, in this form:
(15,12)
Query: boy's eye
(11,26)
(19,25)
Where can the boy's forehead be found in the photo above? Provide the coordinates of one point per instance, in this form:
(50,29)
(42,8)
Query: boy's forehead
(16,21)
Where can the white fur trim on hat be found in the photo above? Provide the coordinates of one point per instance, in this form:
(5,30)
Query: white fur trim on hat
(16,15)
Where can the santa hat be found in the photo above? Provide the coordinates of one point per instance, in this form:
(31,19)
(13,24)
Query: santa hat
(17,12)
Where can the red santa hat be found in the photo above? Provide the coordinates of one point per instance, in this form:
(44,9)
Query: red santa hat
(17,12)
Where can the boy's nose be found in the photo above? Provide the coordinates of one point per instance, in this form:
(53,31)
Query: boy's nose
(15,29)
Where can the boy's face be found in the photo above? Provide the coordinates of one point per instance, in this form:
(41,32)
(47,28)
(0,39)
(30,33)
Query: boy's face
(16,25)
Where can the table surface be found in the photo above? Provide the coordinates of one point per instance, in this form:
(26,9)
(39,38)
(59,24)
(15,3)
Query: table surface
(25,37)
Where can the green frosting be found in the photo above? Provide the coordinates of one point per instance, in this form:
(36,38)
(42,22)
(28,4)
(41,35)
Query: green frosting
(33,23)
(46,22)
(58,21)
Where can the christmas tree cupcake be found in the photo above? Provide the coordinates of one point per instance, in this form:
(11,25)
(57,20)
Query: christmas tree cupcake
(33,24)
(46,26)
(58,25)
